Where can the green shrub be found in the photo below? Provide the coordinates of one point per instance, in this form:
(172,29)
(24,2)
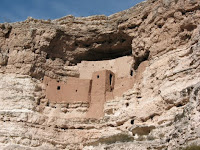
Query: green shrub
(122,137)
(150,138)
(192,147)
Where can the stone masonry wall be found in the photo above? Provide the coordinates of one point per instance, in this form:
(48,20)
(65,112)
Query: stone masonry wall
(74,90)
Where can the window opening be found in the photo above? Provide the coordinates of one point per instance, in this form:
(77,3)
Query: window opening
(111,76)
(131,73)
(132,121)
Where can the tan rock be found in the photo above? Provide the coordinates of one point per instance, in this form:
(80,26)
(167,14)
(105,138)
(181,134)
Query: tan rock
(155,44)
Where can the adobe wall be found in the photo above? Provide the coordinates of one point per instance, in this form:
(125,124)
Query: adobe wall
(74,90)
(120,67)
(125,83)
(140,70)
(121,85)
(102,81)
(103,86)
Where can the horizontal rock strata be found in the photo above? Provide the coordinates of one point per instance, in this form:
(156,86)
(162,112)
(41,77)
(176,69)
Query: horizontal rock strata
(160,111)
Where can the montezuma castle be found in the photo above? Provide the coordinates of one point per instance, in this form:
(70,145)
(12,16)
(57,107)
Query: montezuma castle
(130,80)
(98,82)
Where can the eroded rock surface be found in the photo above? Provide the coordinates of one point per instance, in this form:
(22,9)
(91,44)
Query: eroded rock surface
(161,110)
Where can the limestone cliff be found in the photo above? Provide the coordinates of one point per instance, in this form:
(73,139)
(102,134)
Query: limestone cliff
(160,111)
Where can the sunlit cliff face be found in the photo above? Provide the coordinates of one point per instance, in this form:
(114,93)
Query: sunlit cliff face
(137,72)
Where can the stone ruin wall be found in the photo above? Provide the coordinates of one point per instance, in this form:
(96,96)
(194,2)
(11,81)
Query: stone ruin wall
(120,66)
(74,90)
(95,85)
(101,83)
(164,101)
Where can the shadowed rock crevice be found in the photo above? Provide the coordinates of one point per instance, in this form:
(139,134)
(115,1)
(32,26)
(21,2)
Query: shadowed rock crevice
(106,47)
(58,46)
(97,55)
(140,59)
(101,47)
(5,30)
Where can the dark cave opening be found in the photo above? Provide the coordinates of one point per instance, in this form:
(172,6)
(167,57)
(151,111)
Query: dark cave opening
(105,47)
(97,55)
(139,60)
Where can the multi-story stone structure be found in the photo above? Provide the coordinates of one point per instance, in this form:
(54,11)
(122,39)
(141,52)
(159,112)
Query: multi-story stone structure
(100,85)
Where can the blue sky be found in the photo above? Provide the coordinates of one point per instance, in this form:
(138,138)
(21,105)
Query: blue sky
(19,10)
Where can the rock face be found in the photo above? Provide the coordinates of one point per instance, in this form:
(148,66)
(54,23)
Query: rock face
(160,111)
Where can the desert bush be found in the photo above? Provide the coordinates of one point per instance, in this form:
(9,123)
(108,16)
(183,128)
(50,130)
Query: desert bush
(192,147)
(113,139)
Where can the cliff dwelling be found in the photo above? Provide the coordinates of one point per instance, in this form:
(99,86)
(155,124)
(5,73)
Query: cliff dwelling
(98,82)
(130,80)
